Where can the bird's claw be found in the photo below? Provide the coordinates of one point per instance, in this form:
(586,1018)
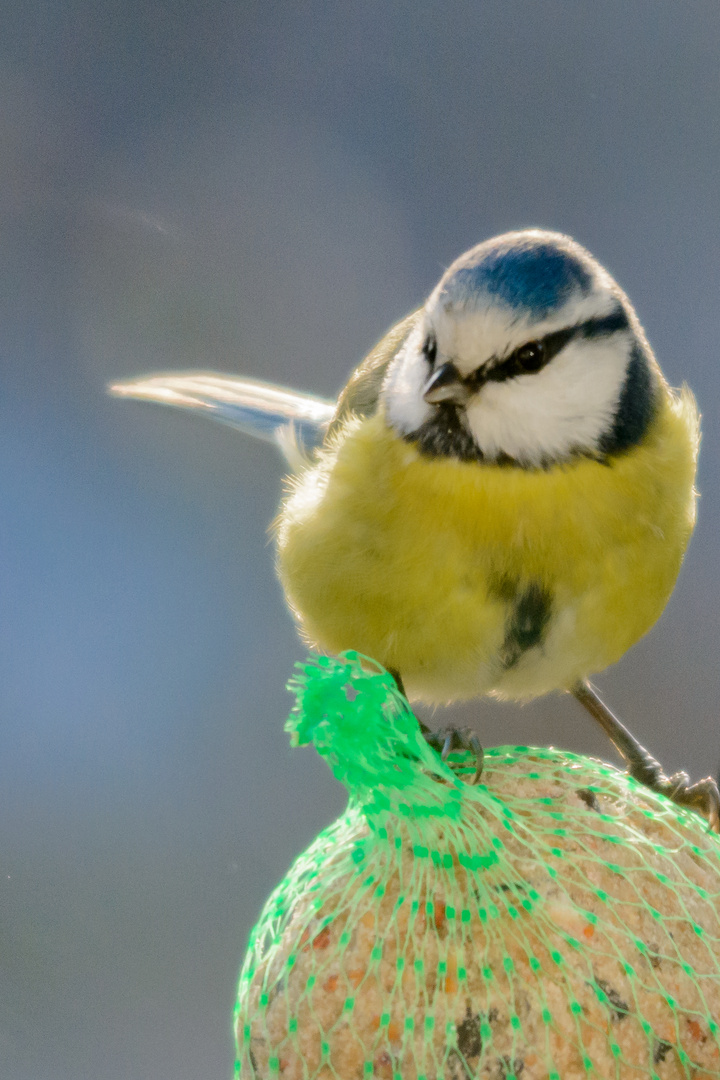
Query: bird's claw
(456,739)
(702,796)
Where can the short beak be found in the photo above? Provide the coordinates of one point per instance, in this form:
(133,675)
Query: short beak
(446,385)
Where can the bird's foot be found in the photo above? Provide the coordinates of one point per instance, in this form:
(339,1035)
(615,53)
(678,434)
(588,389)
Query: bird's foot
(702,796)
(451,740)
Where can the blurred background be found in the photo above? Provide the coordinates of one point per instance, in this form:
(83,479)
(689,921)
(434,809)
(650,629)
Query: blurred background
(266,187)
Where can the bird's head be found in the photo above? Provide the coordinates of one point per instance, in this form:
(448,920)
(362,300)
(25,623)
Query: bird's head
(527,351)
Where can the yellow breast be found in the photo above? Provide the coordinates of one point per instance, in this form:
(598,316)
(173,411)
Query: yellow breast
(419,562)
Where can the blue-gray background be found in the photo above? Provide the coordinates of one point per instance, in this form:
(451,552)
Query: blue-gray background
(265,187)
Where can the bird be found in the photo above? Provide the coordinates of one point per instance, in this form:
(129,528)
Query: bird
(499,501)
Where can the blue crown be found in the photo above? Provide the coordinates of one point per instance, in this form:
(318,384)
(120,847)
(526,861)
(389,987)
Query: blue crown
(534,274)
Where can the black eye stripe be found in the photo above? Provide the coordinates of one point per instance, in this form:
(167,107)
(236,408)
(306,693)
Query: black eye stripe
(429,349)
(605,325)
(552,344)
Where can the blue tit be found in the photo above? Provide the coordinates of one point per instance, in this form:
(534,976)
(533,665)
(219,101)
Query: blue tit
(500,500)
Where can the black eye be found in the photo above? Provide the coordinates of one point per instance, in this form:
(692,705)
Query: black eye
(430,350)
(530,357)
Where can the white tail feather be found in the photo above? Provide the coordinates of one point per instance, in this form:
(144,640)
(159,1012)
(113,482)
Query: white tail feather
(295,422)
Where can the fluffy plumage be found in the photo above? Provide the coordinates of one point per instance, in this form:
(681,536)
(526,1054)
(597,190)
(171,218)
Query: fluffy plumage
(427,563)
(505,490)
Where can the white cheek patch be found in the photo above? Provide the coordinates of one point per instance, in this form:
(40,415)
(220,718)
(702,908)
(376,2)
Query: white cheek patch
(567,406)
(402,393)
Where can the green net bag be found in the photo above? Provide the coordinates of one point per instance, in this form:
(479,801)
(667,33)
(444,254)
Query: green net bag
(555,921)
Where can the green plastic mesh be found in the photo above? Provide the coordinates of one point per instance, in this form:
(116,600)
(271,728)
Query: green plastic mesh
(557,920)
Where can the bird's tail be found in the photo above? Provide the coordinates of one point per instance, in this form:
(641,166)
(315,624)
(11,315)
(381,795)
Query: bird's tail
(296,423)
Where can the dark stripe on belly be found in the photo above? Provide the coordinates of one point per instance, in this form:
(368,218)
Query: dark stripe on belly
(527,622)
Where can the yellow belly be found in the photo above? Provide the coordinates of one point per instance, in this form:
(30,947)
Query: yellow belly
(407,558)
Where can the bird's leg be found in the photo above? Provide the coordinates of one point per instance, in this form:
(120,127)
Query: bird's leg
(398,681)
(702,796)
(445,742)
(449,739)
